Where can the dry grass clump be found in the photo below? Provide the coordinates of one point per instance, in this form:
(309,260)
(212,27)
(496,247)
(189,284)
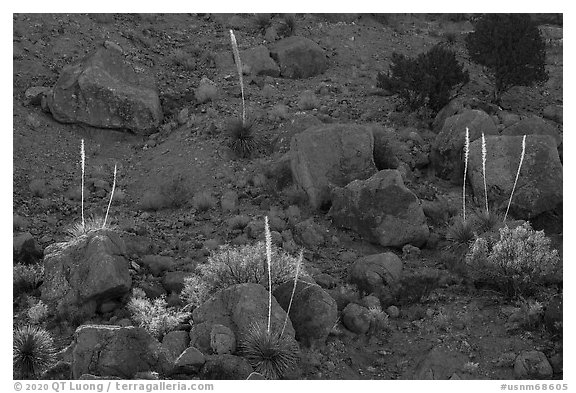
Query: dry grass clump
(182,59)
(206,91)
(203,201)
(26,278)
(154,315)
(308,100)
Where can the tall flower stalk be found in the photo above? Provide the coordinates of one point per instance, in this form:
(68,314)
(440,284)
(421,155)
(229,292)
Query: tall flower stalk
(517,175)
(239,69)
(466,153)
(300,257)
(111,196)
(484,172)
(83,161)
(268,236)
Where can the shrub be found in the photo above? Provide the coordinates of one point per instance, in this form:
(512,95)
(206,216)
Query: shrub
(93,223)
(154,316)
(203,201)
(176,193)
(33,352)
(182,59)
(238,265)
(38,312)
(511,47)
(243,141)
(450,37)
(308,100)
(378,320)
(26,278)
(518,263)
(425,81)
(269,353)
(460,235)
(288,26)
(207,91)
(153,200)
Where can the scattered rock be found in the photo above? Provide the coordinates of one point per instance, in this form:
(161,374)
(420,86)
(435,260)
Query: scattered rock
(33,95)
(104,91)
(325,280)
(259,62)
(313,313)
(190,361)
(554,113)
(333,154)
(224,367)
(107,350)
(439,364)
(381,209)
(176,342)
(393,311)
(378,274)
(539,187)
(532,364)
(309,233)
(25,249)
(447,150)
(299,57)
(356,318)
(85,272)
(222,340)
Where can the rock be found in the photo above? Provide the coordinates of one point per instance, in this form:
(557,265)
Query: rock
(461,104)
(25,249)
(108,350)
(325,280)
(533,125)
(313,313)
(309,233)
(222,340)
(557,363)
(104,91)
(333,154)
(259,61)
(371,301)
(386,145)
(299,57)
(539,187)
(61,370)
(439,364)
(377,274)
(190,361)
(393,312)
(381,209)
(229,201)
(447,151)
(532,364)
(85,272)
(174,281)
(176,342)
(158,263)
(554,113)
(236,307)
(152,289)
(508,118)
(356,318)
(410,252)
(343,295)
(225,367)
(33,95)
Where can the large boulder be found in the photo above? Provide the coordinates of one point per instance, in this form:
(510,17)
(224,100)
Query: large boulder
(533,125)
(102,90)
(236,307)
(25,249)
(382,210)
(257,61)
(377,274)
(226,367)
(313,312)
(85,272)
(447,150)
(115,351)
(333,154)
(299,57)
(539,187)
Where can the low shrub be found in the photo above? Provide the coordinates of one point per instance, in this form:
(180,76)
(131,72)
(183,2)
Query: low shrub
(26,278)
(518,263)
(37,313)
(182,59)
(203,201)
(308,100)
(154,315)
(33,352)
(238,265)
(207,91)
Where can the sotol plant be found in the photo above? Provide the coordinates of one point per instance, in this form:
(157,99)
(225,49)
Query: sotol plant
(33,352)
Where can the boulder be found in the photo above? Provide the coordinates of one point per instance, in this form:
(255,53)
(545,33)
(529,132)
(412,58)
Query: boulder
(447,151)
(176,342)
(85,272)
(377,274)
(333,154)
(313,312)
(532,364)
(226,367)
(108,350)
(459,105)
(299,57)
(539,187)
(382,210)
(533,125)
(554,113)
(190,360)
(103,90)
(222,340)
(236,307)
(439,364)
(259,62)
(356,318)
(25,249)
(309,233)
